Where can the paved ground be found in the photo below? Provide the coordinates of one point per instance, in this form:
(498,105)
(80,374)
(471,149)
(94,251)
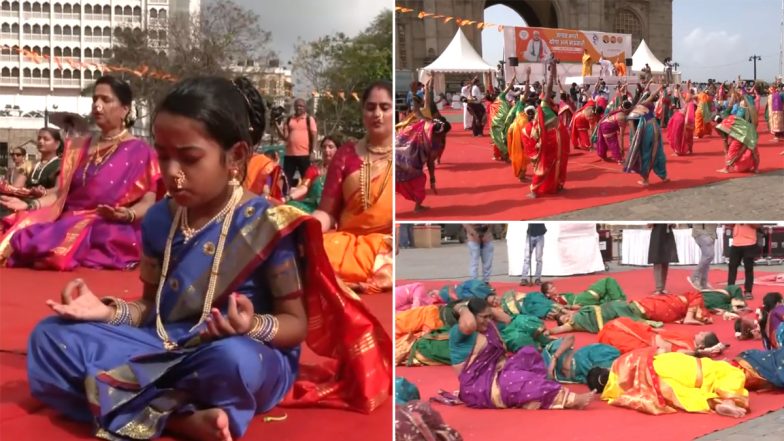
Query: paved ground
(450,261)
(715,201)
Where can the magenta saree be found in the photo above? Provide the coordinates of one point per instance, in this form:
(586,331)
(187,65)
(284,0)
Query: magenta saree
(70,233)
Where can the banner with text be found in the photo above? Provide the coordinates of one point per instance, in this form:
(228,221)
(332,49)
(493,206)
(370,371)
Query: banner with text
(534,45)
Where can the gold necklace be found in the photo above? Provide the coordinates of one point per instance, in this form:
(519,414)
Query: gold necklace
(189,232)
(96,158)
(365,178)
(115,137)
(378,149)
(168,344)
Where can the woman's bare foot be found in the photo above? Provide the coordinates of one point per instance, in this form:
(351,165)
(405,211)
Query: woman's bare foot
(644,182)
(723,170)
(581,401)
(532,195)
(202,425)
(730,409)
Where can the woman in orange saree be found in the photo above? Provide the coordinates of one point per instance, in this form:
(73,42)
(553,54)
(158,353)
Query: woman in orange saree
(627,335)
(357,200)
(686,308)
(261,168)
(702,120)
(92,218)
(665,383)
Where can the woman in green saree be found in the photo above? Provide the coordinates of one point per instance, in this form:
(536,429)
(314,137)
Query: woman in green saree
(307,195)
(593,318)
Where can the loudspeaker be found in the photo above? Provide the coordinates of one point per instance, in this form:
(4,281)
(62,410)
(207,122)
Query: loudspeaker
(513,62)
(628,61)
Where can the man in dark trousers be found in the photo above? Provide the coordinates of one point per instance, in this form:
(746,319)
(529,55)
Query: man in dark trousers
(536,234)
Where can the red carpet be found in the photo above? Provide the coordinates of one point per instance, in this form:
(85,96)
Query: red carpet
(472,185)
(600,420)
(22,297)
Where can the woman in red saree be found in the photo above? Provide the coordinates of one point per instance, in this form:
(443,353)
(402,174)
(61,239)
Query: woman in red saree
(583,124)
(550,153)
(93,216)
(627,335)
(680,130)
(688,308)
(357,200)
(740,140)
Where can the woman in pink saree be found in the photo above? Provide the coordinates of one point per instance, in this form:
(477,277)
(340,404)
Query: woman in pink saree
(93,216)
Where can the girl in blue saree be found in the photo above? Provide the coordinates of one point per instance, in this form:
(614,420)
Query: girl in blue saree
(232,287)
(566,364)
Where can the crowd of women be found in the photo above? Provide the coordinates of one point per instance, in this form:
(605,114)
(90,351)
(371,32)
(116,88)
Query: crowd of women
(505,356)
(238,271)
(534,125)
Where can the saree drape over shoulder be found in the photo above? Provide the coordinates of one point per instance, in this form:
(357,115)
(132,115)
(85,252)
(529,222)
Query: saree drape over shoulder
(70,233)
(742,154)
(550,154)
(763,369)
(492,380)
(416,144)
(579,361)
(669,308)
(360,250)
(122,379)
(665,383)
(680,130)
(646,149)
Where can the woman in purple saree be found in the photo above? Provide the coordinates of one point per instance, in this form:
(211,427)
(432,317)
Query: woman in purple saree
(489,378)
(92,218)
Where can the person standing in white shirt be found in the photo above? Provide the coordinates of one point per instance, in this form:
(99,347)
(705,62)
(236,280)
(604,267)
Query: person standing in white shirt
(465,92)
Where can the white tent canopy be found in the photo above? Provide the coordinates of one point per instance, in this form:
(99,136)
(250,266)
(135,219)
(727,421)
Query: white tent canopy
(644,55)
(459,57)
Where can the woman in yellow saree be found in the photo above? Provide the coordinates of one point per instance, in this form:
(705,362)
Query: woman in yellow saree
(357,200)
(664,383)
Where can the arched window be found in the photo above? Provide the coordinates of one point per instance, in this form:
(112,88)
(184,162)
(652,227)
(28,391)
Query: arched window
(107,31)
(27,72)
(46,51)
(77,30)
(162,14)
(88,53)
(107,53)
(15,8)
(46,73)
(26,28)
(46,8)
(15,72)
(97,74)
(67,52)
(46,30)
(58,30)
(88,9)
(37,29)
(67,30)
(58,8)
(107,11)
(37,49)
(77,53)
(58,51)
(58,73)
(117,31)
(127,11)
(67,74)
(118,10)
(77,9)
(6,72)
(6,6)
(627,22)
(67,8)
(88,31)
(27,48)
(36,73)
(5,28)
(98,53)
(15,28)
(27,7)
(88,75)
(153,12)
(137,12)
(36,7)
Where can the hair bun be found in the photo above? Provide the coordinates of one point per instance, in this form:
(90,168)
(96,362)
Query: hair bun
(257,108)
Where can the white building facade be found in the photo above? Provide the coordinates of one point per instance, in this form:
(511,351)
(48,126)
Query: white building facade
(83,31)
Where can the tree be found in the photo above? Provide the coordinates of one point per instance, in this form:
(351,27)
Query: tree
(210,43)
(336,63)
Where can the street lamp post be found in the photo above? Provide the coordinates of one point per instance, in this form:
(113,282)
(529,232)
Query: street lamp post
(755,58)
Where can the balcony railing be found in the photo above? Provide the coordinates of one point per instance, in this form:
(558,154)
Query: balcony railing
(97,17)
(9,81)
(66,82)
(36,37)
(66,16)
(36,82)
(9,36)
(9,13)
(33,15)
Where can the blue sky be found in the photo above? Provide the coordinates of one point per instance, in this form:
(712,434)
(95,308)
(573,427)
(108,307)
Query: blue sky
(710,38)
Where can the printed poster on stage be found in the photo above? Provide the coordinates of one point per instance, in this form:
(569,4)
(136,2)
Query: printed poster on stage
(534,45)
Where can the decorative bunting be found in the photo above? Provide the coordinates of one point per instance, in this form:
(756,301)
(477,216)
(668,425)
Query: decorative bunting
(458,21)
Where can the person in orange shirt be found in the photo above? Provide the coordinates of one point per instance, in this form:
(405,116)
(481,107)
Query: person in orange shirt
(301,135)
(744,247)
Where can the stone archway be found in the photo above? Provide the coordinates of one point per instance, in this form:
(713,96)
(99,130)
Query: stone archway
(536,13)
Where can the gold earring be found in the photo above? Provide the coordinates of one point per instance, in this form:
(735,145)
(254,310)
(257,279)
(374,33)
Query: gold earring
(234,182)
(180,180)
